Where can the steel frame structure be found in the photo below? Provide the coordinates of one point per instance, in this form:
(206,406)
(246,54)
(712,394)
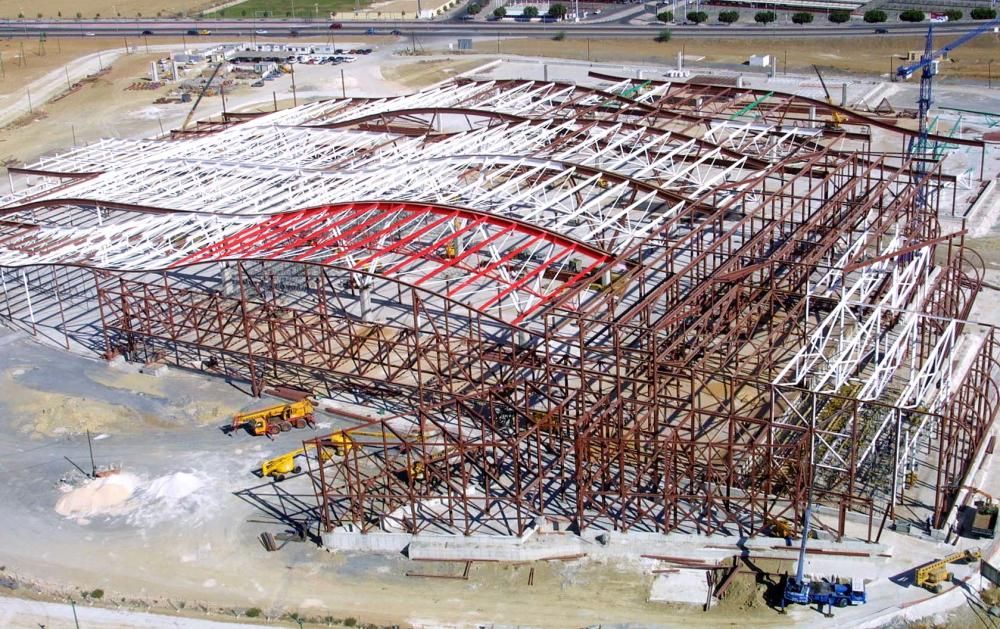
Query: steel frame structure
(618,308)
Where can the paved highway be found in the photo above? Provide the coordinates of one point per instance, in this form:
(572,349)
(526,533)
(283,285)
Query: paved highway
(284,28)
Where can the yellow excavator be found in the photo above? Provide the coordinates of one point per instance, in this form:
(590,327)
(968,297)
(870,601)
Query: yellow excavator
(934,575)
(836,118)
(278,418)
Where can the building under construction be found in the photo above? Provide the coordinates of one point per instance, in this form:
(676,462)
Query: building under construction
(638,306)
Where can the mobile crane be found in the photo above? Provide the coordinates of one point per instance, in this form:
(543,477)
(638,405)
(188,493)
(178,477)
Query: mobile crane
(830,593)
(836,118)
(278,418)
(934,575)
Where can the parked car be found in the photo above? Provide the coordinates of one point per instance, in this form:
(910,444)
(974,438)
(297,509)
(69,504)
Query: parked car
(146,33)
(396,32)
(881,31)
(261,31)
(293,33)
(370,31)
(336,25)
(192,32)
(257,84)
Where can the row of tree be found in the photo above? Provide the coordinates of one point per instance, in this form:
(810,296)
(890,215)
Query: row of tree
(557,11)
(874,16)
(761,17)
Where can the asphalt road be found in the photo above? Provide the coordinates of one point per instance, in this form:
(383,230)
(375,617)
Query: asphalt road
(284,28)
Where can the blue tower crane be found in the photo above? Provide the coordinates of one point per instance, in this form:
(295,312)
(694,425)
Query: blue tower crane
(928,67)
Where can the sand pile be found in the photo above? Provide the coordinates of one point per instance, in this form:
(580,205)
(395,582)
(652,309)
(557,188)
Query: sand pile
(100,496)
(181,495)
(173,487)
(142,503)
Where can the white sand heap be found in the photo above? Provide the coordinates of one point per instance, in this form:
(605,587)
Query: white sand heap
(142,503)
(173,487)
(108,495)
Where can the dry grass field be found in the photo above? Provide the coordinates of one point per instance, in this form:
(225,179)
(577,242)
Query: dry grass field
(423,73)
(866,54)
(106,8)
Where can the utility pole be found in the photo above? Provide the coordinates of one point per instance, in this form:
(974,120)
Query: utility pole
(93,466)
(69,85)
(343,85)
(295,100)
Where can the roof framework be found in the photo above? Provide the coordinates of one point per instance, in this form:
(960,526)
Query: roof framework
(681,308)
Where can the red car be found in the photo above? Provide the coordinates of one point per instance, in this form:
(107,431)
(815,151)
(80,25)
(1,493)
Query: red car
(336,25)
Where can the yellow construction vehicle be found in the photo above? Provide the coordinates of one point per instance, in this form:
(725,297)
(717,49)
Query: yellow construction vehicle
(780,527)
(984,518)
(284,464)
(837,118)
(341,442)
(278,418)
(934,575)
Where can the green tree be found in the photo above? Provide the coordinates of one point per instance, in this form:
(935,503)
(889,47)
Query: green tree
(499,12)
(665,16)
(765,17)
(839,17)
(473,9)
(697,17)
(729,17)
(912,15)
(802,17)
(954,15)
(561,35)
(983,13)
(875,16)
(558,11)
(530,12)
(664,36)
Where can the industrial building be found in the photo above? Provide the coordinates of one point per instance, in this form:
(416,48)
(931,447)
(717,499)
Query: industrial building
(632,306)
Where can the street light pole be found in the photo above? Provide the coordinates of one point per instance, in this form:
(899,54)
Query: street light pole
(989,74)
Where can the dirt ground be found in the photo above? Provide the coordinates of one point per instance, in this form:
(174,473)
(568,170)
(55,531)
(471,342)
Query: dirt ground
(106,8)
(866,54)
(423,73)
(112,112)
(41,58)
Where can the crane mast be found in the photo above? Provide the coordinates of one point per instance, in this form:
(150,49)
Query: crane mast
(928,68)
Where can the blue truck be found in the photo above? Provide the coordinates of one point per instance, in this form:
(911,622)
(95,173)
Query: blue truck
(825,594)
